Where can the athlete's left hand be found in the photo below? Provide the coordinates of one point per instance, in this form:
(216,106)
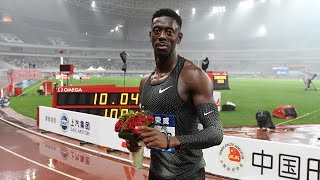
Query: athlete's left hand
(152,137)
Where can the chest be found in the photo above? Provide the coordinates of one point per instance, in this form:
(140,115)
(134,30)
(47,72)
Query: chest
(157,79)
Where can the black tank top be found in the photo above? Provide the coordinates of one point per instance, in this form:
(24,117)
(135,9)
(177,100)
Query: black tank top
(163,98)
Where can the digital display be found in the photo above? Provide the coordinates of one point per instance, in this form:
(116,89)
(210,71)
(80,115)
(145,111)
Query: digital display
(98,99)
(103,100)
(106,112)
(219,79)
(67,68)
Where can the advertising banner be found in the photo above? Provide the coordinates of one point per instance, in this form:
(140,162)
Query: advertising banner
(235,157)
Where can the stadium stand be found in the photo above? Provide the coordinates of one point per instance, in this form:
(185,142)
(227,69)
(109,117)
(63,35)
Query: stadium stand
(88,41)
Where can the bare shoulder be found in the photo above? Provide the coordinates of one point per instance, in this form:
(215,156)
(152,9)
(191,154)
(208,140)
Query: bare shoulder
(196,84)
(192,73)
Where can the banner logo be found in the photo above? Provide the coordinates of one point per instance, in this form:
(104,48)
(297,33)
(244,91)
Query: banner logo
(62,89)
(64,123)
(231,157)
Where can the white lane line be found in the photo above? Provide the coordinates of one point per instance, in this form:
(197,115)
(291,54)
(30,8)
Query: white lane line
(34,162)
(299,117)
(31,88)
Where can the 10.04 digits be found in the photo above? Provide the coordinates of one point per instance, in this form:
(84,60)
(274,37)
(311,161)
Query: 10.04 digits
(116,99)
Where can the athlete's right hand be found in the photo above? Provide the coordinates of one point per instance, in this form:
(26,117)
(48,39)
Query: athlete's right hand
(133,146)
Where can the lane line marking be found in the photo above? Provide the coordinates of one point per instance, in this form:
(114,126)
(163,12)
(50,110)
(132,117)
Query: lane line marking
(36,85)
(34,162)
(72,145)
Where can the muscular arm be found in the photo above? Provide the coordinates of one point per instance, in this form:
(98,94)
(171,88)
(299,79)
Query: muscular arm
(196,88)
(212,133)
(197,85)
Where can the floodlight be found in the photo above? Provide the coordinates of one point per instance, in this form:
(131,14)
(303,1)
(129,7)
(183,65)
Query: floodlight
(218,9)
(262,31)
(193,11)
(211,36)
(93,4)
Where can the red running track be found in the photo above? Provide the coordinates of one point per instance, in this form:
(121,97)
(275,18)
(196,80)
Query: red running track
(28,156)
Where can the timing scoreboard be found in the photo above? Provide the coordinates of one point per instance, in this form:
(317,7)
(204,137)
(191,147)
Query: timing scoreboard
(219,79)
(103,100)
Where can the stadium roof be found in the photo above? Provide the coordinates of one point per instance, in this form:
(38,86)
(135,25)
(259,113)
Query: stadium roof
(145,8)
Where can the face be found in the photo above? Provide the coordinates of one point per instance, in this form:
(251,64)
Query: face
(165,35)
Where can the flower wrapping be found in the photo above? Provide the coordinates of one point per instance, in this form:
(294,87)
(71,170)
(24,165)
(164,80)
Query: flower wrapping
(126,130)
(137,157)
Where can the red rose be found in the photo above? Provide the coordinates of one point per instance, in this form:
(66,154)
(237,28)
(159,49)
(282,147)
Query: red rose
(128,122)
(150,120)
(119,125)
(142,118)
(127,127)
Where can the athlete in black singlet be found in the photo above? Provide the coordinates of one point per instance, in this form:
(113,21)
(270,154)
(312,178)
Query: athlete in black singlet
(177,87)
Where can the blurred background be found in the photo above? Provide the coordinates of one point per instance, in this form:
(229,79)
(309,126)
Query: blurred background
(246,38)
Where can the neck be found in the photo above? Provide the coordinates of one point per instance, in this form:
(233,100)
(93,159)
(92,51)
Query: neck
(166,63)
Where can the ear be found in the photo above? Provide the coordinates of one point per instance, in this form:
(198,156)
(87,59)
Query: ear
(180,36)
(150,35)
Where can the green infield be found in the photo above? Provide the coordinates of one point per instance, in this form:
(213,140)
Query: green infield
(249,95)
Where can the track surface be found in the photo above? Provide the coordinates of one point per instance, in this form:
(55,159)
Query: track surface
(28,156)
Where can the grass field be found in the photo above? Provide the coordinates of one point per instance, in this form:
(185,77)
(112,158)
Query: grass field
(249,95)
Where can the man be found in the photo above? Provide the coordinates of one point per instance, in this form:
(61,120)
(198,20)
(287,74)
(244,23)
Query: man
(309,81)
(177,87)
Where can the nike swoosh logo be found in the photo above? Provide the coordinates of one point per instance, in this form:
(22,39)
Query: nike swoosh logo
(163,90)
(207,113)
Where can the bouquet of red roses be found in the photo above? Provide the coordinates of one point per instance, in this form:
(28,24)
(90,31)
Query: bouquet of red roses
(126,128)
